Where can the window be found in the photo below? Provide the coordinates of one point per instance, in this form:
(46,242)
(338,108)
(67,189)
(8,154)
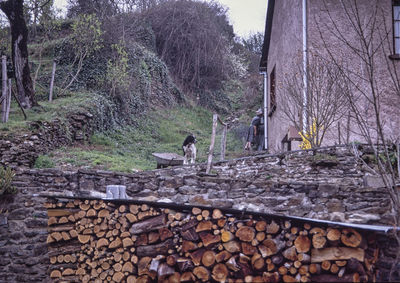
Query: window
(396,26)
(272,92)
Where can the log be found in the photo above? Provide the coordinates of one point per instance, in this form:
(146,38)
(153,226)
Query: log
(171,259)
(220,272)
(142,240)
(165,233)
(148,225)
(217,214)
(190,235)
(187,277)
(232,246)
(83,239)
(196,211)
(226,236)
(208,258)
(245,233)
(184,264)
(165,270)
(260,236)
(337,253)
(288,278)
(188,246)
(315,268)
(333,278)
(302,244)
(102,243)
(55,274)
(304,258)
(290,254)
(154,250)
(143,265)
(223,256)
(261,226)
(248,249)
(115,244)
(257,262)
(127,242)
(271,277)
(333,236)
(334,268)
(131,217)
(232,265)
(209,239)
(118,276)
(351,238)
(174,278)
(272,228)
(318,230)
(133,208)
(201,273)
(277,259)
(204,226)
(318,241)
(197,256)
(326,265)
(153,237)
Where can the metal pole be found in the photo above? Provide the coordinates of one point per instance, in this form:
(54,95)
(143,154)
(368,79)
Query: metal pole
(265,110)
(305,71)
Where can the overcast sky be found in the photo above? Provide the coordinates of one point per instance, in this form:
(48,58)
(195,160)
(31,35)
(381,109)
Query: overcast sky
(246,16)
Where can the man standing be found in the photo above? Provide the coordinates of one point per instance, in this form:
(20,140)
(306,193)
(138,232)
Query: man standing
(258,128)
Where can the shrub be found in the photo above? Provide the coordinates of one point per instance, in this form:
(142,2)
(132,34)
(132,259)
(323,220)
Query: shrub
(44,161)
(6,178)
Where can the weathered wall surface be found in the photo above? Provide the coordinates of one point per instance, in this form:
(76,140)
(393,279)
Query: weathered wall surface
(322,184)
(327,182)
(21,150)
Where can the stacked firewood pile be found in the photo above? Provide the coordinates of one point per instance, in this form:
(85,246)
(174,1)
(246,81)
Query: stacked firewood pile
(97,241)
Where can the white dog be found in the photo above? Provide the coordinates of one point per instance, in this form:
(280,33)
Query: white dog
(189,149)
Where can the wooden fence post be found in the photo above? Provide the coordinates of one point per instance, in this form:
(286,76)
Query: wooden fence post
(211,151)
(4,88)
(8,100)
(223,142)
(53,73)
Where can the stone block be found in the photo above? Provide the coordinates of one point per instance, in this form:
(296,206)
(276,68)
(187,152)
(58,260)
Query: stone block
(3,220)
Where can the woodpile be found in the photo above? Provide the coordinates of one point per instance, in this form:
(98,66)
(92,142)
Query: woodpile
(98,241)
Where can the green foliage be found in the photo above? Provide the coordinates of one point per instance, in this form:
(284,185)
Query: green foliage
(86,35)
(6,177)
(117,69)
(44,161)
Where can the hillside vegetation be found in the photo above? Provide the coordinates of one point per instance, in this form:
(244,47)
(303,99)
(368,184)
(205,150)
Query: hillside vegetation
(150,75)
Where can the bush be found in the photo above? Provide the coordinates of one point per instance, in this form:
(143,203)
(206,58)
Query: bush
(6,178)
(44,161)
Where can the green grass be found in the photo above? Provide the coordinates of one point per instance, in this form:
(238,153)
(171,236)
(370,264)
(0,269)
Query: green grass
(130,149)
(47,111)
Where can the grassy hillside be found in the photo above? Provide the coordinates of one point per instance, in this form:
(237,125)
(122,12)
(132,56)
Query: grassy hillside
(129,149)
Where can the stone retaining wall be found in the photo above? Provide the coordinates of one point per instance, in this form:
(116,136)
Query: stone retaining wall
(21,150)
(325,184)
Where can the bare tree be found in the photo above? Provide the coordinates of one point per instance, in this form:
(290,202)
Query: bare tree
(326,98)
(14,11)
(370,76)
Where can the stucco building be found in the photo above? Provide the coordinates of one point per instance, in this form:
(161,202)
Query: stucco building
(331,58)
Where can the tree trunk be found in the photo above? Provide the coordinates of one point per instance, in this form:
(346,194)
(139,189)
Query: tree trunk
(13,9)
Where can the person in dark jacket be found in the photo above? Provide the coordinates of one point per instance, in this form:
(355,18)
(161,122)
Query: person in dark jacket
(258,128)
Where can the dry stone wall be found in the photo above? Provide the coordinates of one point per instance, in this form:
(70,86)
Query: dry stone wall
(20,150)
(327,182)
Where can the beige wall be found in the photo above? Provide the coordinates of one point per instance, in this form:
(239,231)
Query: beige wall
(285,55)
